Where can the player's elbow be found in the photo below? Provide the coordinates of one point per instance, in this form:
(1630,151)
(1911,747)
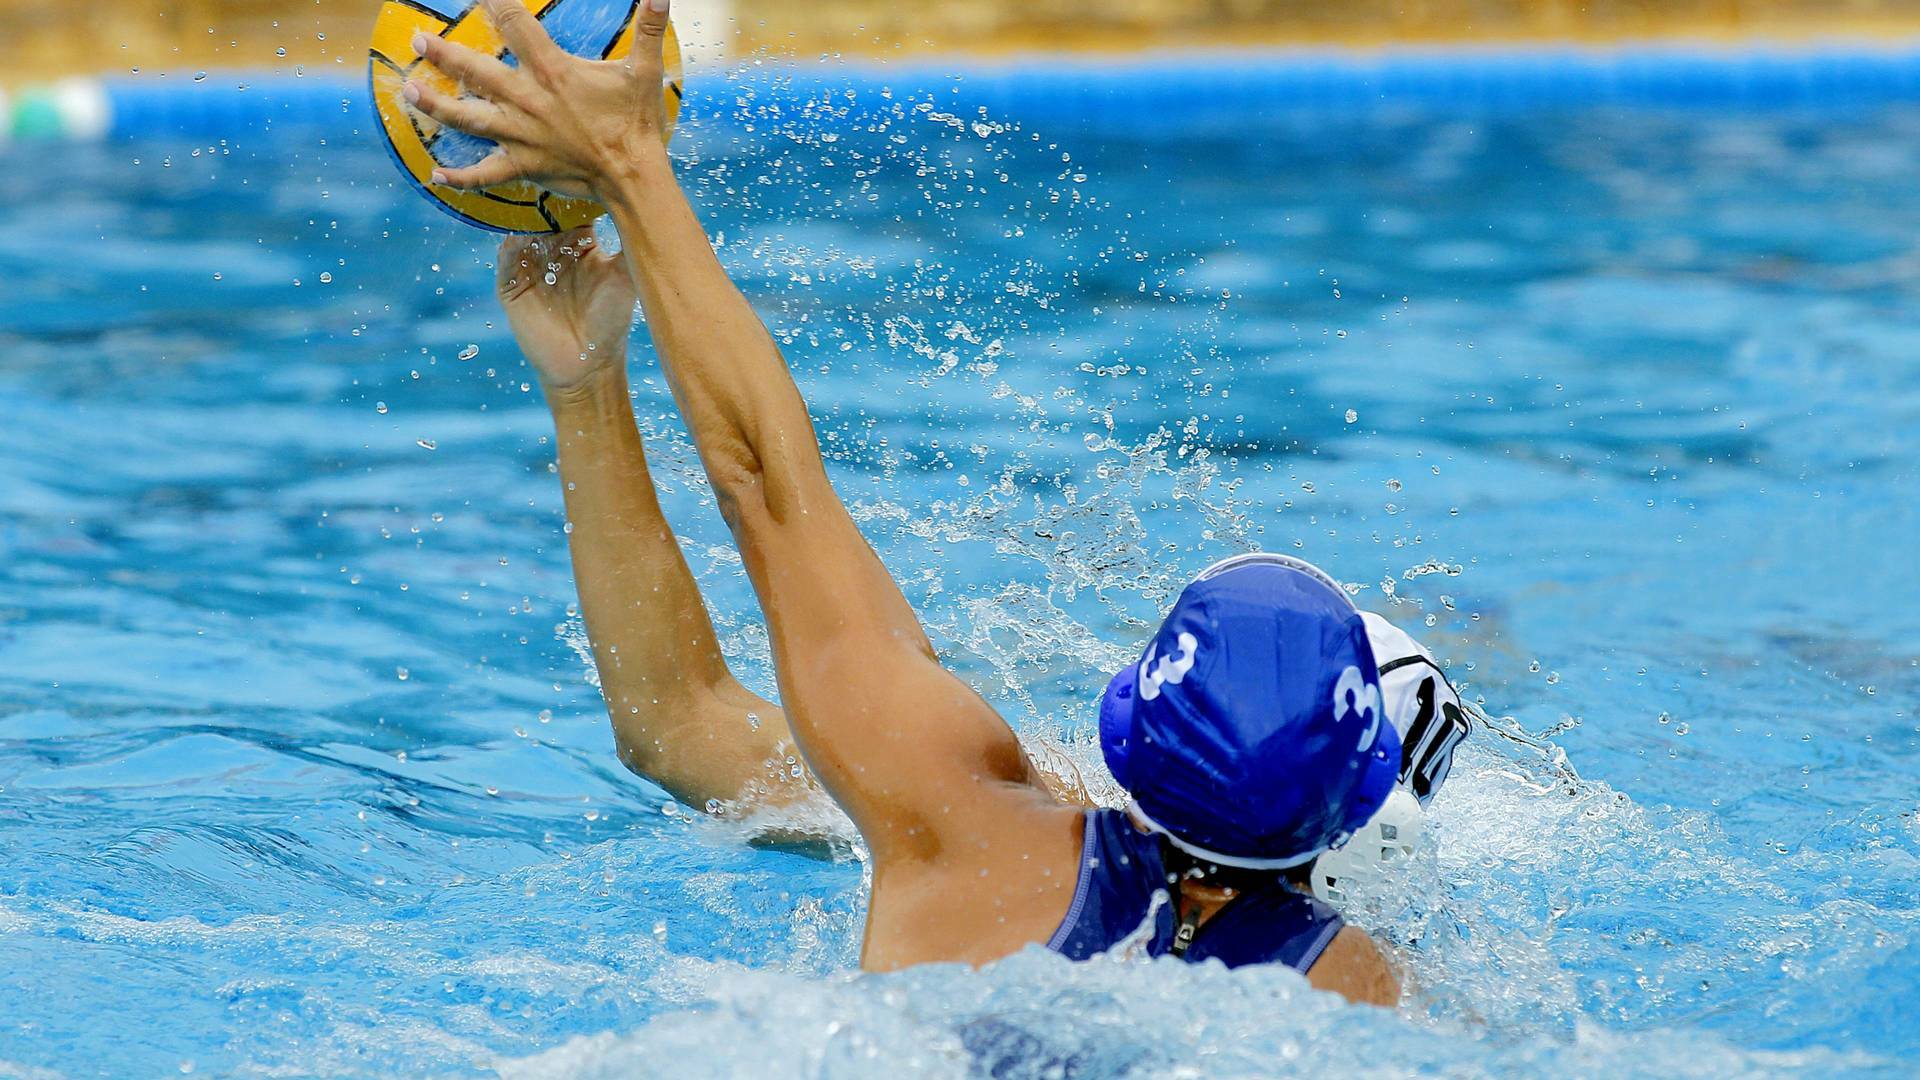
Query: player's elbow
(700,748)
(739,484)
(759,488)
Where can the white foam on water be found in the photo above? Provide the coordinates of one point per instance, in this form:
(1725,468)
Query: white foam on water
(1038,1015)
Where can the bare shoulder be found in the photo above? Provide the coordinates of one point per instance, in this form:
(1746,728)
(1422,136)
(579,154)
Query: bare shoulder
(1355,968)
(986,897)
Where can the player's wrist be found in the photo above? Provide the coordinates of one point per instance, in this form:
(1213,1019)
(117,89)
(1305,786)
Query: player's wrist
(597,395)
(633,177)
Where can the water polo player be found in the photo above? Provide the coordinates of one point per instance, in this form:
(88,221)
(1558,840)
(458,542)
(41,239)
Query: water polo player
(1255,736)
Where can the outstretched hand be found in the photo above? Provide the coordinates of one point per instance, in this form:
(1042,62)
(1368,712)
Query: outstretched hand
(570,303)
(564,122)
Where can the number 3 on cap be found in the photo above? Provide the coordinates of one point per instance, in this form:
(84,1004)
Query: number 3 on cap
(1157,671)
(1353,691)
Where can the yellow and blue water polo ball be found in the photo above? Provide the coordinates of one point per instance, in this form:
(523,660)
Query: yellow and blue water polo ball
(603,29)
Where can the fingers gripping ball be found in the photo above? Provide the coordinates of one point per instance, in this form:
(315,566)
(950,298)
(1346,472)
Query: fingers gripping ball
(603,29)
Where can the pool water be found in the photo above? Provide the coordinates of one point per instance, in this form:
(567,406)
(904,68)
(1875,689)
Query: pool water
(302,770)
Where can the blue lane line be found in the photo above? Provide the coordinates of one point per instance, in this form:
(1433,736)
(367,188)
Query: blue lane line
(1169,90)
(232,104)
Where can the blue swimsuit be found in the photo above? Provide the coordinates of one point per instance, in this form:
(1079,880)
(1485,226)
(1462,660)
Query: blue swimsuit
(1121,872)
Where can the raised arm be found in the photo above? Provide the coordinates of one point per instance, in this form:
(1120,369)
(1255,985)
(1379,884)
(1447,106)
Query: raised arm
(920,761)
(679,716)
(899,741)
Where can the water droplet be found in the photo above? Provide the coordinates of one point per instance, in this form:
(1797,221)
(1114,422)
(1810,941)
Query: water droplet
(326,278)
(427,444)
(199,76)
(1353,416)
(469,352)
(380,407)
(403,674)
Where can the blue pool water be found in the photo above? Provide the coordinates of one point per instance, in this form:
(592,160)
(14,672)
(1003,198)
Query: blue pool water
(302,771)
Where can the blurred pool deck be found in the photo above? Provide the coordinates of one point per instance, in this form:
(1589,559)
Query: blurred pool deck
(43,40)
(212,69)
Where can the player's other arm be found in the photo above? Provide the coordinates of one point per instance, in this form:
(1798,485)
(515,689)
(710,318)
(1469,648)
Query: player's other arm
(679,716)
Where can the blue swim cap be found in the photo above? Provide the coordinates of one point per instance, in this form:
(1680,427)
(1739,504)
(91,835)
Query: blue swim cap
(1252,733)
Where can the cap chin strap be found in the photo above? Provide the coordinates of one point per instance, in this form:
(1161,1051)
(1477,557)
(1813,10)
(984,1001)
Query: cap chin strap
(1141,818)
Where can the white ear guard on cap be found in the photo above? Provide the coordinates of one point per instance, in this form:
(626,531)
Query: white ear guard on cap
(1387,839)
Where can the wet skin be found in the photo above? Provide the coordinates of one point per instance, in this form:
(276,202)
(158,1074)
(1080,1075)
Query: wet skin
(975,851)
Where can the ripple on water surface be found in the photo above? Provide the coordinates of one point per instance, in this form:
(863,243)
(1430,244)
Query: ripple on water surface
(303,770)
